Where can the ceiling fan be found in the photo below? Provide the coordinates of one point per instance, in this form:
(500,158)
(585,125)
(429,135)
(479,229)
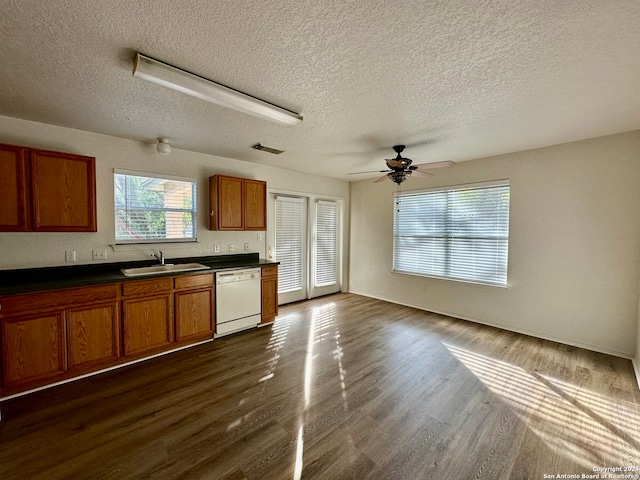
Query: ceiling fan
(400,168)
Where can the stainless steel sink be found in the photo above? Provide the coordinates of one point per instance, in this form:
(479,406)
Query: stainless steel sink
(158,269)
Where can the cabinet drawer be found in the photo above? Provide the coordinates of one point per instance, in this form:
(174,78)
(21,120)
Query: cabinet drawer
(270,271)
(194,281)
(147,287)
(59,299)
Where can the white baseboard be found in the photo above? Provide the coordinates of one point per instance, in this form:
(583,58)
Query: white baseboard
(530,333)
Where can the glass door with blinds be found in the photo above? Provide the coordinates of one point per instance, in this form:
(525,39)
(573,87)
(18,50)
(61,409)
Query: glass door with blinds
(306,242)
(291,248)
(325,248)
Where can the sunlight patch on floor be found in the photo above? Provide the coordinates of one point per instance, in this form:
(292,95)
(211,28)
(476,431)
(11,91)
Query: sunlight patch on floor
(587,427)
(279,332)
(322,327)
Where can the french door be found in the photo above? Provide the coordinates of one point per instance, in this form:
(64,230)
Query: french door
(291,248)
(306,242)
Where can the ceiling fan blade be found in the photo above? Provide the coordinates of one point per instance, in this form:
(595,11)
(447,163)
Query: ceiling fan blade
(381,179)
(426,166)
(418,173)
(369,171)
(393,163)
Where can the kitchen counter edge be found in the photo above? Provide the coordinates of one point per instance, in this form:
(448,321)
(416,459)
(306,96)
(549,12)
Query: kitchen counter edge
(21,281)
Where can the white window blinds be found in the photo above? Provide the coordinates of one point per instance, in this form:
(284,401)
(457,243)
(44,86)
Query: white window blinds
(456,233)
(154,209)
(289,242)
(326,263)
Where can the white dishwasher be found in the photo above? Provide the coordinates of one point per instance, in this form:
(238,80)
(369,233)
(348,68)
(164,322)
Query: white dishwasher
(238,300)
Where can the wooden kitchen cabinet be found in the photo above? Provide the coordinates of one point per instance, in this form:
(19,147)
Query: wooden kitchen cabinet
(147,316)
(255,205)
(63,192)
(93,335)
(13,194)
(237,203)
(226,203)
(194,307)
(269,282)
(45,334)
(46,191)
(33,348)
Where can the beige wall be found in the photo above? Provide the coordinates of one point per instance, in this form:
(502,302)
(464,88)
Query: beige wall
(25,250)
(574,247)
(636,359)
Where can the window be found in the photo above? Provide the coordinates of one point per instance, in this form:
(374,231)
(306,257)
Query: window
(456,233)
(152,208)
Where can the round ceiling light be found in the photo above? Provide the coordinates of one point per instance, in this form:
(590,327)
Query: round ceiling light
(163,147)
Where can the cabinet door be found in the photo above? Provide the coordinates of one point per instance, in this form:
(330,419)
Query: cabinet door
(255,217)
(194,314)
(64,192)
(226,202)
(147,324)
(92,335)
(33,348)
(269,294)
(13,189)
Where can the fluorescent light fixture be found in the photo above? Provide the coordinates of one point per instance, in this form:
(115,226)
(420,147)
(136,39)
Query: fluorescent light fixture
(171,77)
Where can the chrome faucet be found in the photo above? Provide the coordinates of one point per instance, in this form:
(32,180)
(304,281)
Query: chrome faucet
(160,258)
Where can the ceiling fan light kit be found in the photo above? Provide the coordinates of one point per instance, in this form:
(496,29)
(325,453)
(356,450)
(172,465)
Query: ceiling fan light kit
(400,168)
(180,80)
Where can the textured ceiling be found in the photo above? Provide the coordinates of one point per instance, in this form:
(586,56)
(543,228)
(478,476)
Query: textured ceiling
(454,80)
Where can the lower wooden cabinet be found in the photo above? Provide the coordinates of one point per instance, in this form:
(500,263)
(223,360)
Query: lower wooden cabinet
(93,335)
(194,314)
(269,294)
(147,315)
(55,335)
(33,348)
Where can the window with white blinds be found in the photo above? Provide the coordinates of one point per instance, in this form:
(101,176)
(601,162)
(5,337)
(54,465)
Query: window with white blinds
(326,261)
(151,208)
(289,242)
(455,233)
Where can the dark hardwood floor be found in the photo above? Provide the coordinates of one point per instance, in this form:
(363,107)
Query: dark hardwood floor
(340,387)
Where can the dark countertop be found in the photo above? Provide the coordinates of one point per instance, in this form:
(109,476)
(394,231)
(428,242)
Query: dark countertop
(28,280)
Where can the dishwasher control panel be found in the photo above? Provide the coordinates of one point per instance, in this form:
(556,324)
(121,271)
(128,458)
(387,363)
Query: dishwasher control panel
(237,276)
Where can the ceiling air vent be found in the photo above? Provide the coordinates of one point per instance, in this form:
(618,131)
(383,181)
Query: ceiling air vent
(262,148)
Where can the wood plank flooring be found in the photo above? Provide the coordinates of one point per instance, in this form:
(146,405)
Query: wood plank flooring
(340,387)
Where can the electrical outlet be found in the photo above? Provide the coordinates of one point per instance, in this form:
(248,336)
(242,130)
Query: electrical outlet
(231,247)
(99,254)
(216,248)
(259,237)
(70,256)
(246,246)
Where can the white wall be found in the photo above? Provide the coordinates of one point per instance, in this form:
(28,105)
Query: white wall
(574,247)
(25,250)
(636,359)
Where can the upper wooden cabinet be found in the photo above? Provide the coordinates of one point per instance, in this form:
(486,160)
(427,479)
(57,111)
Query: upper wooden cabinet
(237,203)
(13,194)
(46,191)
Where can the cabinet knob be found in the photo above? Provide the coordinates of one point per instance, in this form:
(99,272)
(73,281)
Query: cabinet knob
(211,213)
